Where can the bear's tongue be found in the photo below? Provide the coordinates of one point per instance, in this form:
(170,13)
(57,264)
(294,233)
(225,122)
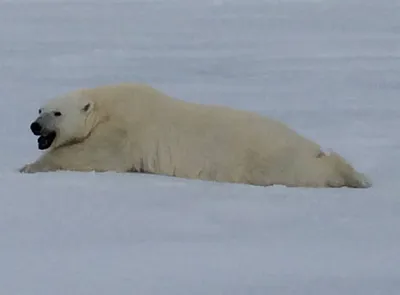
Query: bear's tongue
(45,141)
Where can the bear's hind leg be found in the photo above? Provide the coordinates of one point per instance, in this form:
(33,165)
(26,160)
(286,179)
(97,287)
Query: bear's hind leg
(348,175)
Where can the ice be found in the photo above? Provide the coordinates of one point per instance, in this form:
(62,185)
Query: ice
(330,69)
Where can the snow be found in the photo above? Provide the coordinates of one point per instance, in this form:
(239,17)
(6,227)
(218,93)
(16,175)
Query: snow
(330,69)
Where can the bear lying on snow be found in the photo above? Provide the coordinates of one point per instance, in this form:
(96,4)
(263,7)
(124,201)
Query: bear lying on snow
(135,128)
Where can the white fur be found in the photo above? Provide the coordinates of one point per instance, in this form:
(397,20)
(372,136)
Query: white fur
(137,128)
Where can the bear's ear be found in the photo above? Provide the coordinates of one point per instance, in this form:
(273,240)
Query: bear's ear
(88,107)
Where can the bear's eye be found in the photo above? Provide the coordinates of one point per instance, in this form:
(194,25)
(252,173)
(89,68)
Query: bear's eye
(40,111)
(57,114)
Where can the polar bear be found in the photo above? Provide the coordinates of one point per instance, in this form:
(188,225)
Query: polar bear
(136,128)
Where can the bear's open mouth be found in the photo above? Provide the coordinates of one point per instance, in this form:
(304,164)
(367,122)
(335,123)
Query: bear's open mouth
(45,141)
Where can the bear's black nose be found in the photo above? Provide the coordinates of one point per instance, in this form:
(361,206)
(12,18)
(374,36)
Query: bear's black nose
(36,128)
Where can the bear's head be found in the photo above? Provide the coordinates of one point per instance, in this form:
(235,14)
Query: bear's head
(64,120)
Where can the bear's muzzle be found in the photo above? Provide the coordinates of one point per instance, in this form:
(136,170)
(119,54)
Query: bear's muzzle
(39,128)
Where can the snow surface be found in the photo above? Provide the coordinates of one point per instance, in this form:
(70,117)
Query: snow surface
(330,69)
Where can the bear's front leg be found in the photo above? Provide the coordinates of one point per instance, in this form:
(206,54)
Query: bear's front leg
(82,158)
(58,160)
(43,164)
